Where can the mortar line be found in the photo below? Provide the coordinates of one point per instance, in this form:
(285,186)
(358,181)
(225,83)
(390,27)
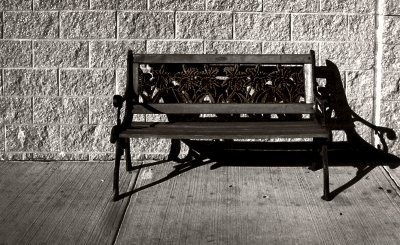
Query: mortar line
(379,29)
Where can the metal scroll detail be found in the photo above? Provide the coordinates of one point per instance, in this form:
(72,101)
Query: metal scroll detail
(193,83)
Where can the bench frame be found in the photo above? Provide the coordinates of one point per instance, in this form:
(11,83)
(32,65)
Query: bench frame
(313,105)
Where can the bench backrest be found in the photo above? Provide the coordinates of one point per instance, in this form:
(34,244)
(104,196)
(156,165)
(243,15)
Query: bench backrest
(220,84)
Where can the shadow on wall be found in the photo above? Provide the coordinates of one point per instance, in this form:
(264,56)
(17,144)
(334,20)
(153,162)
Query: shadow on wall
(355,152)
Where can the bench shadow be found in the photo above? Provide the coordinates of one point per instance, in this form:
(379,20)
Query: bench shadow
(354,151)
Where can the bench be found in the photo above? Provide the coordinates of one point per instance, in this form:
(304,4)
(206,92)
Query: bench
(225,97)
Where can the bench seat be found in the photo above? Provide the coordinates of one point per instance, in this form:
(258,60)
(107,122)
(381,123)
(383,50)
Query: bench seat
(226,130)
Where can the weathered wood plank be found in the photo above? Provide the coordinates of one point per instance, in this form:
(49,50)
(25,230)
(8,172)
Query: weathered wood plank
(278,108)
(253,205)
(65,203)
(224,58)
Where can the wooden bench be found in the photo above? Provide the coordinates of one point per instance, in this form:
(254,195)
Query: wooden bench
(221,97)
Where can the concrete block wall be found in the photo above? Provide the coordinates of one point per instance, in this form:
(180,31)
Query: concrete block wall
(62,60)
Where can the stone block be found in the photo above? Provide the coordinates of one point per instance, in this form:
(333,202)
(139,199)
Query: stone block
(391,33)
(61,54)
(38,138)
(261,26)
(314,27)
(391,58)
(15,110)
(289,47)
(349,56)
(30,25)
(364,108)
(348,6)
(107,54)
(102,111)
(131,5)
(47,110)
(61,156)
(233,47)
(392,7)
(150,145)
(204,25)
(291,6)
(12,5)
(101,156)
(360,84)
(176,5)
(390,116)
(143,25)
(390,89)
(99,82)
(394,146)
(30,82)
(86,138)
(78,25)
(67,110)
(174,47)
(15,53)
(235,5)
(60,4)
(104,4)
(362,28)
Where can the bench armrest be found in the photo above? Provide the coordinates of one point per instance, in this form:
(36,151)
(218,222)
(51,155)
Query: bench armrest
(118,101)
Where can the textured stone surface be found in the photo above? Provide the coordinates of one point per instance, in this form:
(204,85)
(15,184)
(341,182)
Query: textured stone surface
(87,82)
(362,28)
(77,25)
(392,7)
(233,47)
(360,84)
(293,6)
(102,111)
(310,27)
(101,156)
(61,156)
(15,53)
(150,145)
(289,47)
(390,89)
(176,5)
(61,110)
(60,4)
(131,5)
(30,25)
(28,82)
(390,116)
(15,5)
(113,53)
(391,33)
(208,25)
(268,27)
(15,110)
(39,138)
(86,138)
(47,110)
(61,54)
(391,58)
(174,47)
(354,6)
(146,25)
(104,4)
(349,55)
(235,5)
(394,146)
(2,138)
(364,108)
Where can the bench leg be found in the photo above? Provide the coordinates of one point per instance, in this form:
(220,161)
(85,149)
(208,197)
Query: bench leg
(128,158)
(324,155)
(119,150)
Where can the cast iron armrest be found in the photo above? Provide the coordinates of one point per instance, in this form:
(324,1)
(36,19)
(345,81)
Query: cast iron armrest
(118,101)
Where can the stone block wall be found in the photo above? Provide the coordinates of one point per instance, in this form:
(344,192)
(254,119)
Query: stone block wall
(62,60)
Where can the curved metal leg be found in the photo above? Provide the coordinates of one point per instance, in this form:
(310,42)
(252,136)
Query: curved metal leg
(119,150)
(324,155)
(128,158)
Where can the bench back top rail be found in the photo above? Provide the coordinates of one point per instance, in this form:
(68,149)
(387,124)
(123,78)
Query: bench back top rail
(305,61)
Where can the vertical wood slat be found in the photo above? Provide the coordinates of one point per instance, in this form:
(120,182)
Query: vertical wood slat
(309,79)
